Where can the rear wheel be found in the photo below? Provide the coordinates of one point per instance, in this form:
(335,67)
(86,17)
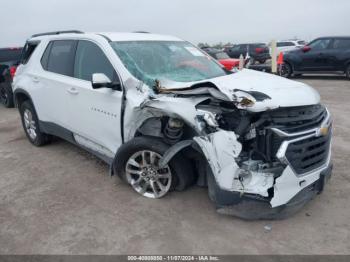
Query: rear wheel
(6,96)
(30,123)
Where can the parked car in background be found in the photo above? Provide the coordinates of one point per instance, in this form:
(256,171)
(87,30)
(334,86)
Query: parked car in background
(288,45)
(322,55)
(222,57)
(257,51)
(165,117)
(9,59)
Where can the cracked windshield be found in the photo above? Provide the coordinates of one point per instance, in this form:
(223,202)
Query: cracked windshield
(175,61)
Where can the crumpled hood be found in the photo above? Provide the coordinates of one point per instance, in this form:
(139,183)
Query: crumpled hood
(279,91)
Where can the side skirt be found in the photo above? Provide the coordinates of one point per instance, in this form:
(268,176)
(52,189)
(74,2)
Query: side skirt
(65,134)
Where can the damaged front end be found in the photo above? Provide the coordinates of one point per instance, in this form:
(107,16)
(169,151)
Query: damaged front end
(261,165)
(263,159)
(265,165)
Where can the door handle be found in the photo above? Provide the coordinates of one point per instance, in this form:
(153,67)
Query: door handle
(73,91)
(35,79)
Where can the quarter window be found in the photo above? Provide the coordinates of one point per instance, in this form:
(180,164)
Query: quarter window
(61,58)
(90,59)
(45,58)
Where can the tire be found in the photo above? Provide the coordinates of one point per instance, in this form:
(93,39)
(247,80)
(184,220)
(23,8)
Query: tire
(347,72)
(30,123)
(286,70)
(262,61)
(179,169)
(6,96)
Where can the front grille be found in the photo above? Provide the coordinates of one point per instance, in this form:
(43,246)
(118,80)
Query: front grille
(308,154)
(298,119)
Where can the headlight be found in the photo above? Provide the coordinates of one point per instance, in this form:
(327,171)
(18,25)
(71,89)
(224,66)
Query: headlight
(208,117)
(243,99)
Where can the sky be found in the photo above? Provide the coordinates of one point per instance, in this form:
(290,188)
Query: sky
(196,21)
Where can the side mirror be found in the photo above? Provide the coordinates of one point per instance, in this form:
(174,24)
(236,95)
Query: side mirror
(100,80)
(306,48)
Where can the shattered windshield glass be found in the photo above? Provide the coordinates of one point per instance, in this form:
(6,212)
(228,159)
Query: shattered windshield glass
(172,60)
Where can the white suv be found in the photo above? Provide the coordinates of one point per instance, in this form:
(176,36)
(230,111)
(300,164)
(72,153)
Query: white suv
(289,45)
(165,116)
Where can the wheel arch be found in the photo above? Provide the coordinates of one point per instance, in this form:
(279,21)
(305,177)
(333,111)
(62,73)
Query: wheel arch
(20,95)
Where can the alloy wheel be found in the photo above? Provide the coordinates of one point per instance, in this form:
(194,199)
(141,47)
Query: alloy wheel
(146,177)
(29,124)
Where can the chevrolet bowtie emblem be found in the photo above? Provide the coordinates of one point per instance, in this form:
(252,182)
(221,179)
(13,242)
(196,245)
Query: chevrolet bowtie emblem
(323,131)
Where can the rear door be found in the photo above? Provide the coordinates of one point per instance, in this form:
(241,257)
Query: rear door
(340,53)
(318,58)
(95,114)
(50,83)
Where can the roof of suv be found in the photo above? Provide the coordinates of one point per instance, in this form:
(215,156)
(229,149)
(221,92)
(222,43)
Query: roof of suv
(112,36)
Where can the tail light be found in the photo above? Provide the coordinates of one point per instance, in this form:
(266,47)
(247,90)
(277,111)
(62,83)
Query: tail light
(13,71)
(259,50)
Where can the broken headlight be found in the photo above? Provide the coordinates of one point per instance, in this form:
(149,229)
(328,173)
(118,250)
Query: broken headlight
(243,99)
(207,118)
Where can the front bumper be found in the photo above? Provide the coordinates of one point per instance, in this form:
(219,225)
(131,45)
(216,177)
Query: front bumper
(253,207)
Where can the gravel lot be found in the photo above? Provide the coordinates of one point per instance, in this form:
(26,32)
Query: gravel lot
(60,200)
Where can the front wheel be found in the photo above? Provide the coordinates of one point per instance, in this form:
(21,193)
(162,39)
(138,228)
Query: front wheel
(137,163)
(286,70)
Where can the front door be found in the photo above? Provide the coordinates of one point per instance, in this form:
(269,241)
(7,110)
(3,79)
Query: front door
(317,58)
(95,113)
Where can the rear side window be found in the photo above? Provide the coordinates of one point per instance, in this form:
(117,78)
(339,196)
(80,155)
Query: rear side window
(282,44)
(257,45)
(28,50)
(61,57)
(91,59)
(235,48)
(45,58)
(341,44)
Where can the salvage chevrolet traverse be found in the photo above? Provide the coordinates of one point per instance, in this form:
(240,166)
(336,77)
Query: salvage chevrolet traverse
(164,116)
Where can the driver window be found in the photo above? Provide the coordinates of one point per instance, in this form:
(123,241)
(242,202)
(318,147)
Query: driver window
(90,59)
(320,44)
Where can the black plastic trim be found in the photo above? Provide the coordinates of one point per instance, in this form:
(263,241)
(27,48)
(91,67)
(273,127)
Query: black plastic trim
(61,132)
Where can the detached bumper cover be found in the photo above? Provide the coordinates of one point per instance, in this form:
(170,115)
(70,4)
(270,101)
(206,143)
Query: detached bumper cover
(253,207)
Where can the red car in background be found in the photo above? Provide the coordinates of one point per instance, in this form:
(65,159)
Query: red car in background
(223,58)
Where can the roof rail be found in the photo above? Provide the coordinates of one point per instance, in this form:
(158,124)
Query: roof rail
(59,32)
(141,32)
